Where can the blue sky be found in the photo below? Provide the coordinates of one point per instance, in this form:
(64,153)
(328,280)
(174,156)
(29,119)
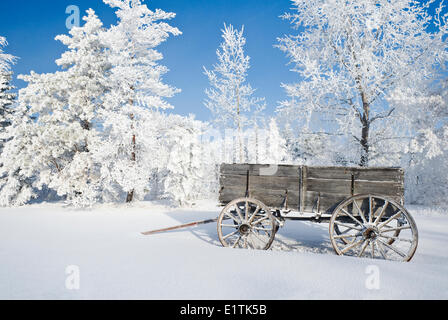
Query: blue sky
(30,27)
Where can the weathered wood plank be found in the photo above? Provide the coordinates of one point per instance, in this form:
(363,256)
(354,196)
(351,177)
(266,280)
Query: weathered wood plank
(327,202)
(345,173)
(257,170)
(262,182)
(329,186)
(271,198)
(329,173)
(360,187)
(388,189)
(380,174)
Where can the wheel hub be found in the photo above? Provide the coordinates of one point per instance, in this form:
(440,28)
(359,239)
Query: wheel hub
(244,229)
(370,232)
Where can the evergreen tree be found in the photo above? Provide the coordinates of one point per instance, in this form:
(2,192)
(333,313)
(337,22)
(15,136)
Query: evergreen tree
(137,89)
(7,97)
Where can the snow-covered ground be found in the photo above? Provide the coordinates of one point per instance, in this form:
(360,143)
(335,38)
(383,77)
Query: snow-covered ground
(38,243)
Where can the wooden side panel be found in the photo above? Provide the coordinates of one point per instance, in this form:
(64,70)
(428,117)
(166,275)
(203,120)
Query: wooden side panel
(326,187)
(273,190)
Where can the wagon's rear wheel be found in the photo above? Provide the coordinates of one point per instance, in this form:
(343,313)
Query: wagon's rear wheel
(375,227)
(246,223)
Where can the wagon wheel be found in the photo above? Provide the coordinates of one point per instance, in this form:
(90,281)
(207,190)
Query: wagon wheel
(373,226)
(246,223)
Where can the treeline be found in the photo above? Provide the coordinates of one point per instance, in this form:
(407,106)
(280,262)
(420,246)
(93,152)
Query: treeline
(370,91)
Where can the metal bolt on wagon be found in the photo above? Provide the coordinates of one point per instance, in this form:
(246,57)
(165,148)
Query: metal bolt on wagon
(363,206)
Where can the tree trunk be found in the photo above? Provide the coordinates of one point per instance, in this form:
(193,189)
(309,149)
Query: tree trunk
(130,196)
(238,111)
(365,121)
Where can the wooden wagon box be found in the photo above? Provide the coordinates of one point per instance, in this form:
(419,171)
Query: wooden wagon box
(307,189)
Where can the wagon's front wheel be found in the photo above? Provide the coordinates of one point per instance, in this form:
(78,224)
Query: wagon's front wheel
(246,223)
(375,227)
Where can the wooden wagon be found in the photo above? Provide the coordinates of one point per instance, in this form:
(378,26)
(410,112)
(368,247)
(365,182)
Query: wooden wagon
(363,206)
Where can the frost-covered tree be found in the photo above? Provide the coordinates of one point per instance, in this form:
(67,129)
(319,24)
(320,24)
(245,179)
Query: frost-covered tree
(350,55)
(7,98)
(277,151)
(181,171)
(137,87)
(230,97)
(5,59)
(53,149)
(18,160)
(427,151)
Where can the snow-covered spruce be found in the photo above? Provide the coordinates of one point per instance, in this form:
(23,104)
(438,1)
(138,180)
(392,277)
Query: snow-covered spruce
(7,98)
(136,88)
(53,150)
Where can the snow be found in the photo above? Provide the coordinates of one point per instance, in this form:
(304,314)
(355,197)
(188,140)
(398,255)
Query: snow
(115,261)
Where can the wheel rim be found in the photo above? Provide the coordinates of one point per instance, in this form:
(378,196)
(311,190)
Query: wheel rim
(246,223)
(373,227)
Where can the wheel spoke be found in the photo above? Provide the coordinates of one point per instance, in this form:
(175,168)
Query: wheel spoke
(382,212)
(261,229)
(372,244)
(348,236)
(264,230)
(343,251)
(230,234)
(364,247)
(361,213)
(250,243)
(345,231)
(396,229)
(236,242)
(381,250)
(395,216)
(260,220)
(258,236)
(229,226)
(254,215)
(245,243)
(347,226)
(370,210)
(233,217)
(353,218)
(396,238)
(238,211)
(393,248)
